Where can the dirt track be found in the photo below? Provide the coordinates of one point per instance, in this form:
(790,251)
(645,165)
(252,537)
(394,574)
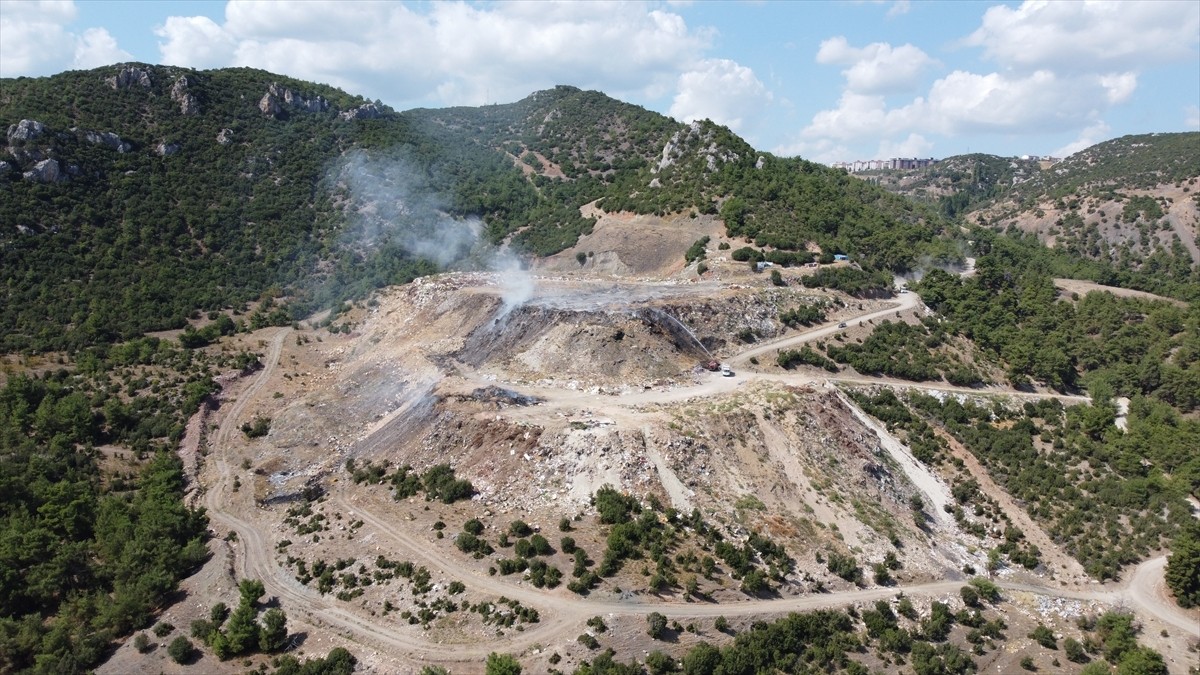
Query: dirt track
(1085,287)
(562,612)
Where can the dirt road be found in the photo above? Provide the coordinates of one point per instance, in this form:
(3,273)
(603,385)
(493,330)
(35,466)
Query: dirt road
(562,612)
(904,302)
(1085,287)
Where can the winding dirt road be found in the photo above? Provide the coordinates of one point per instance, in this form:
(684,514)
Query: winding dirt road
(563,613)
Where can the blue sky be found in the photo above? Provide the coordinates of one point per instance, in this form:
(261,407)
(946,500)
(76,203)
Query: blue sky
(830,81)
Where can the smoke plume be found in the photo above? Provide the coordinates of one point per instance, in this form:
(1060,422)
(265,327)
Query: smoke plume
(394,203)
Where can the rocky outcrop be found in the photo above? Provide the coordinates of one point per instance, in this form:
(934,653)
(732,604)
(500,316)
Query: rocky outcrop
(279,98)
(366,111)
(225,137)
(46,171)
(695,138)
(129,76)
(269,105)
(25,130)
(20,137)
(166,149)
(107,139)
(188,103)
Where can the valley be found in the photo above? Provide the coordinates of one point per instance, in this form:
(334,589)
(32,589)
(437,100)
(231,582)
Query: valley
(295,383)
(403,379)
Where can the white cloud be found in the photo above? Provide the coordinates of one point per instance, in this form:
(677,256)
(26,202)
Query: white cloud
(722,91)
(1093,134)
(1094,36)
(915,145)
(1040,102)
(96,47)
(1118,86)
(32,36)
(1061,66)
(451,53)
(1191,118)
(195,41)
(35,39)
(856,116)
(820,150)
(969,103)
(899,7)
(877,68)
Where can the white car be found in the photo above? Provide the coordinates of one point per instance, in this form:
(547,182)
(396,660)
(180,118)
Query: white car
(726,370)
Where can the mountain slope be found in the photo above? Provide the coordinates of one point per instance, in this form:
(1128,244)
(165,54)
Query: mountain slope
(584,145)
(136,196)
(1132,200)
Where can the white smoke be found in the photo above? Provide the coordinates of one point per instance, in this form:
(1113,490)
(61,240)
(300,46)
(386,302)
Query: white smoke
(965,266)
(393,203)
(516,283)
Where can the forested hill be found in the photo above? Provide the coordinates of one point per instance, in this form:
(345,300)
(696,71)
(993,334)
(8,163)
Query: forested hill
(132,196)
(1126,163)
(135,196)
(1133,201)
(582,145)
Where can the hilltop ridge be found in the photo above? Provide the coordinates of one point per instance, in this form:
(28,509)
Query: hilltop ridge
(1131,201)
(138,196)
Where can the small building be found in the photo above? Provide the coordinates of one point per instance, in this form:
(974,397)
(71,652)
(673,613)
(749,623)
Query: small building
(841,257)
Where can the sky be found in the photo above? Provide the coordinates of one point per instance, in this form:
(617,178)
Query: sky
(828,81)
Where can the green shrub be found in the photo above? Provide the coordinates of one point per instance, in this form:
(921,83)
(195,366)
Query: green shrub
(656,625)
(181,650)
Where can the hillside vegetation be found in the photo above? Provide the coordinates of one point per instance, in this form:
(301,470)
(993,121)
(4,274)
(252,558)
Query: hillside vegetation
(1129,162)
(136,196)
(1129,204)
(582,146)
(139,198)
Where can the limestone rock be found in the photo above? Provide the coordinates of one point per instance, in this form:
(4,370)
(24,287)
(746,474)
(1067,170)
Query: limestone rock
(129,76)
(188,103)
(46,171)
(25,130)
(108,139)
(269,105)
(225,137)
(165,149)
(318,104)
(277,97)
(366,111)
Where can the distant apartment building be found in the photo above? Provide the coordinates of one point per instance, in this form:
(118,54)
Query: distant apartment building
(895,163)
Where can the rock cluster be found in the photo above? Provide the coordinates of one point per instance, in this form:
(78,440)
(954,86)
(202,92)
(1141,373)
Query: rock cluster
(108,139)
(46,171)
(19,137)
(165,149)
(225,137)
(25,130)
(188,103)
(691,137)
(128,77)
(277,97)
(366,111)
